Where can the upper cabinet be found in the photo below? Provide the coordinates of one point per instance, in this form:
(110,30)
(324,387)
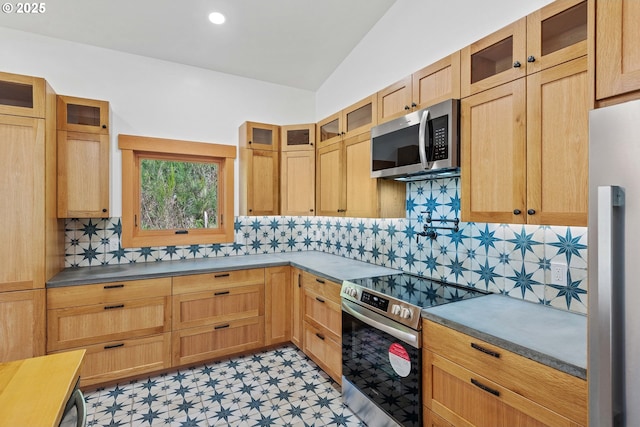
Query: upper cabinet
(552,35)
(297,170)
(354,120)
(83,158)
(298,137)
(432,84)
(22,95)
(617,54)
(259,169)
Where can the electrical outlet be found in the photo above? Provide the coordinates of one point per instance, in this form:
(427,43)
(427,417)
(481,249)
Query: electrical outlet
(558,274)
(368,244)
(114,244)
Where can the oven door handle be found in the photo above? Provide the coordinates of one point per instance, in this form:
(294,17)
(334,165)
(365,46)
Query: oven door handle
(383,324)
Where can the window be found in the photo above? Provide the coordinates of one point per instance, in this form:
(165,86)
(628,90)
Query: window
(175,192)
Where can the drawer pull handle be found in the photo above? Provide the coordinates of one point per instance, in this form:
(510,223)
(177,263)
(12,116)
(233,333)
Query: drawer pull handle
(320,281)
(111,307)
(107,347)
(320,299)
(221,293)
(485,388)
(485,350)
(217,276)
(320,336)
(226,325)
(114,286)
(299,285)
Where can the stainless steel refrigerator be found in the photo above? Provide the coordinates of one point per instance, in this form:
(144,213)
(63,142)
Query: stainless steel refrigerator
(614,266)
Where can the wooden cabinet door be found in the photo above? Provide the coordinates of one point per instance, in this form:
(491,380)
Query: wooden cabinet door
(437,82)
(83,115)
(359,117)
(296,307)
(329,130)
(324,312)
(22,324)
(324,349)
(83,175)
(558,107)
(298,137)
(259,178)
(298,183)
(395,100)
(493,145)
(329,181)
(360,189)
(617,53)
(22,95)
(278,305)
(259,136)
(495,59)
(23,202)
(556,33)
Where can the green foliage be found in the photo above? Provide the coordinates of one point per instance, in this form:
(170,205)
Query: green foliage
(176,195)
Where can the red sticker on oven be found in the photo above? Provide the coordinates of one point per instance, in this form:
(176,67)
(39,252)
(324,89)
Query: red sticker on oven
(399,359)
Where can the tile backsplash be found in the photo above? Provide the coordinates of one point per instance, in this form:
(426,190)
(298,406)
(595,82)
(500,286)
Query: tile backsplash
(504,258)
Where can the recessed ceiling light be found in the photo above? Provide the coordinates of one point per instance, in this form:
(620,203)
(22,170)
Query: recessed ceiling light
(217,18)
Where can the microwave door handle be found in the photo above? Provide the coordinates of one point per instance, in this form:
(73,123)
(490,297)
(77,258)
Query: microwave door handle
(422,140)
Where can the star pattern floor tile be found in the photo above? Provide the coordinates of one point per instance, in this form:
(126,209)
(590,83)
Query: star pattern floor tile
(280,387)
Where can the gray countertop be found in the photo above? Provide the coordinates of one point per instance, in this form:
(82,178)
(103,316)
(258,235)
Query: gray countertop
(556,338)
(331,267)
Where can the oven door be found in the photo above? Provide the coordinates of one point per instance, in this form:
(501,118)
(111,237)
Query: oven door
(381,364)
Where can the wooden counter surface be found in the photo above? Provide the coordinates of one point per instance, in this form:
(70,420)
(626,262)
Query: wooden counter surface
(34,392)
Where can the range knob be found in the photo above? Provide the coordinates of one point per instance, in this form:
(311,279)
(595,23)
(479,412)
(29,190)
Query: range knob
(395,309)
(352,292)
(406,313)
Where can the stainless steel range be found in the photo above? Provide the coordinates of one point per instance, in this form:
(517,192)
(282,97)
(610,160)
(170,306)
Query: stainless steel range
(381,341)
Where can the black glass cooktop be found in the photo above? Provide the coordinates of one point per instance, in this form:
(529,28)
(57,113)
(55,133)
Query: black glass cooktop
(419,291)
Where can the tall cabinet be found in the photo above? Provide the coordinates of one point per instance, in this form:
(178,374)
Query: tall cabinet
(34,238)
(297,171)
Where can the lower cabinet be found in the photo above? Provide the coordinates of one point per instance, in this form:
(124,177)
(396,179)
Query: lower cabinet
(322,323)
(296,307)
(473,383)
(22,331)
(277,305)
(429,419)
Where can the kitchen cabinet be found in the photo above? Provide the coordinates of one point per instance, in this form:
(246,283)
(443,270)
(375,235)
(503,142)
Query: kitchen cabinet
(83,158)
(217,314)
(296,307)
(525,149)
(259,169)
(430,85)
(470,382)
(322,323)
(277,305)
(34,238)
(550,36)
(344,186)
(353,120)
(617,59)
(125,326)
(432,420)
(297,172)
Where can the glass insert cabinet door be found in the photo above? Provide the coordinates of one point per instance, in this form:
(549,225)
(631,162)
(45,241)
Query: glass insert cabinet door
(83,115)
(22,95)
(259,136)
(298,137)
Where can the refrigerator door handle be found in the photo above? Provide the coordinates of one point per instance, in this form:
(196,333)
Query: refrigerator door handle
(606,376)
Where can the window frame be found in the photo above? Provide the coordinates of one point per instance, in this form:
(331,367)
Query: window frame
(135,148)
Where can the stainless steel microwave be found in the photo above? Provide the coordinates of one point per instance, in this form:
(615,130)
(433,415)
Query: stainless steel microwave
(421,145)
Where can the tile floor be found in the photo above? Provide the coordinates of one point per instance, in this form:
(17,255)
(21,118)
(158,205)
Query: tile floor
(280,387)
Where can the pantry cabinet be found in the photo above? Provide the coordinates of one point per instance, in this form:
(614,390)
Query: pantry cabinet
(125,326)
(344,186)
(430,85)
(297,172)
(525,149)
(470,382)
(353,120)
(322,323)
(217,314)
(33,249)
(259,169)
(617,58)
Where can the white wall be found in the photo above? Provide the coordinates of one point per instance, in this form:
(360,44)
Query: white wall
(151,97)
(411,35)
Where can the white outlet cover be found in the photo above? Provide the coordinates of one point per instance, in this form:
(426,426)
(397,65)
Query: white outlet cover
(558,274)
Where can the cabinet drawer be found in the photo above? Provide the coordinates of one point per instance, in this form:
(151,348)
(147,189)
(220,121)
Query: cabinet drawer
(321,286)
(558,391)
(219,280)
(115,360)
(462,397)
(104,293)
(323,312)
(215,306)
(79,326)
(323,349)
(208,342)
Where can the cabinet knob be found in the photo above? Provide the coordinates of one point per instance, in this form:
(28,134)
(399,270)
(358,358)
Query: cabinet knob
(310,210)
(406,107)
(249,142)
(531,59)
(250,210)
(517,64)
(531,211)
(414,105)
(517,211)
(104,126)
(104,210)
(311,143)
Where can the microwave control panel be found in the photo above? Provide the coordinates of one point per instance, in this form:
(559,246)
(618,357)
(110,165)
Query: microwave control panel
(440,138)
